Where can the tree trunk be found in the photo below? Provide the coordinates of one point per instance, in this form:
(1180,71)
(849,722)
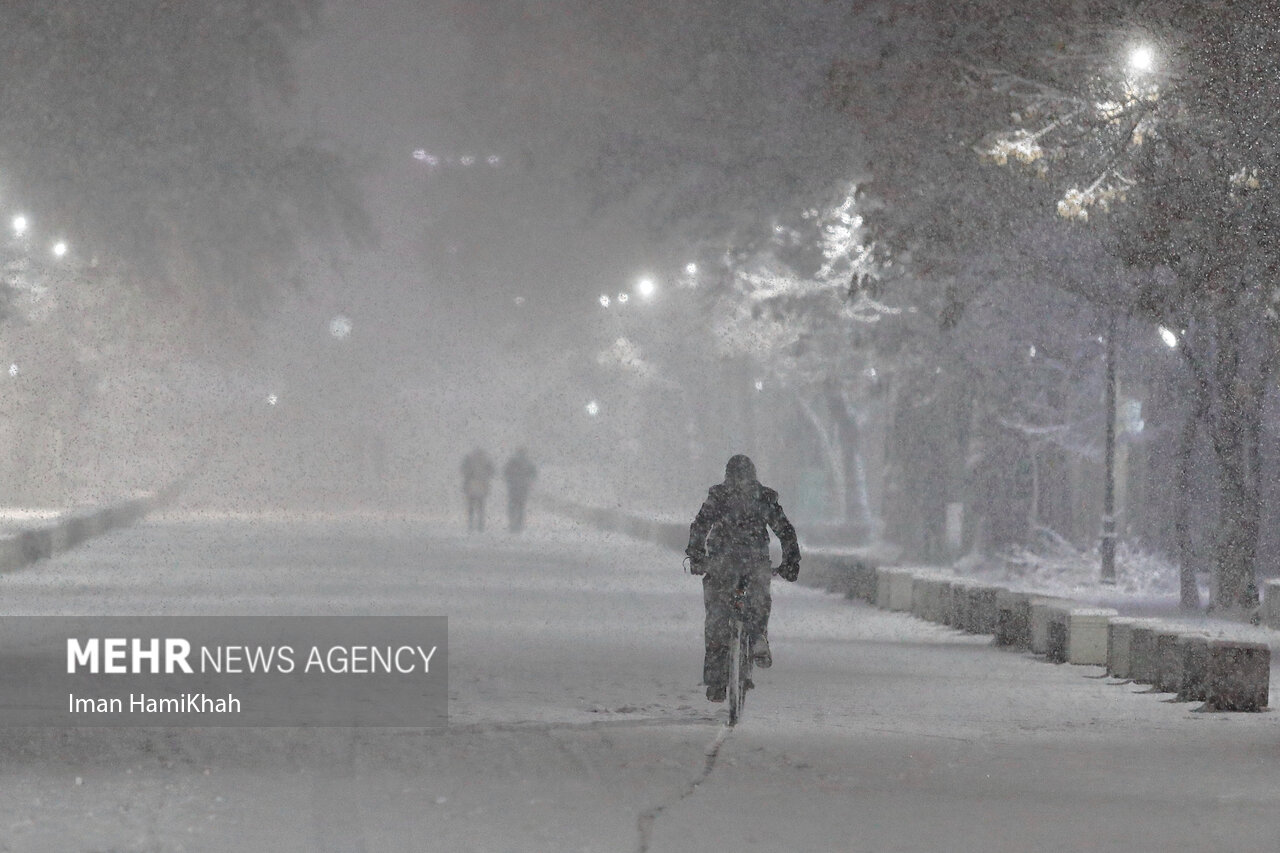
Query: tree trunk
(1239,523)
(857,512)
(1189,592)
(831,449)
(1237,430)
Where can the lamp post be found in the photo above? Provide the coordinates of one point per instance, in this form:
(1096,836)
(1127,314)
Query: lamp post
(1142,60)
(1109,453)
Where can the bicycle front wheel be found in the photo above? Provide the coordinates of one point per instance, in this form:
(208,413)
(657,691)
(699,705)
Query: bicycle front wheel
(739,671)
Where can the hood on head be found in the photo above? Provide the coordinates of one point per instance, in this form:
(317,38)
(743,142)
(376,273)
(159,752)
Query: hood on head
(739,471)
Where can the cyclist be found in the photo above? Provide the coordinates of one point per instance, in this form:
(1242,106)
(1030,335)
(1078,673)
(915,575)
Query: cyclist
(729,546)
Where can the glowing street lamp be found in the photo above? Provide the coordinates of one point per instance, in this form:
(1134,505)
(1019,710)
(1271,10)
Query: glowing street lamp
(593,408)
(623,297)
(20,225)
(1169,337)
(60,249)
(691,268)
(645,287)
(1142,58)
(604,300)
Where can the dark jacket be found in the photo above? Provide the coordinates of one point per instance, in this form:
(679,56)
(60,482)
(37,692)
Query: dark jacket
(519,473)
(477,470)
(732,528)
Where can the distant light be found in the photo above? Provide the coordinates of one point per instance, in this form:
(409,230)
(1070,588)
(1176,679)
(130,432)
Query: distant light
(20,225)
(646,287)
(13,370)
(272,399)
(1031,353)
(420,154)
(870,373)
(593,408)
(691,268)
(759,385)
(340,326)
(60,249)
(493,160)
(604,300)
(467,160)
(519,300)
(1170,339)
(622,297)
(1142,58)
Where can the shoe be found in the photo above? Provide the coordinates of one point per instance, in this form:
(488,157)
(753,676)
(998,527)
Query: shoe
(716,694)
(760,653)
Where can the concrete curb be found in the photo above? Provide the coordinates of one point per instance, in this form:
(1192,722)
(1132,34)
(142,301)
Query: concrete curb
(1271,603)
(75,527)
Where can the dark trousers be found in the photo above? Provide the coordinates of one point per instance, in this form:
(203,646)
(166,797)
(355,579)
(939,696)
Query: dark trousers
(515,510)
(475,513)
(717,596)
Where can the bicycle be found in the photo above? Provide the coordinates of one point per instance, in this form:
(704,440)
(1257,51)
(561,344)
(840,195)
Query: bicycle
(741,653)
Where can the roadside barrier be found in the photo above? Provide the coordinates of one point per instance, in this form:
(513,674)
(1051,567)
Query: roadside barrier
(72,528)
(1013,619)
(1087,634)
(1193,683)
(1119,646)
(1042,615)
(1237,676)
(1271,603)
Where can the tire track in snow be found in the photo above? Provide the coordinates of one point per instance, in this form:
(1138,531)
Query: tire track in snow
(644,824)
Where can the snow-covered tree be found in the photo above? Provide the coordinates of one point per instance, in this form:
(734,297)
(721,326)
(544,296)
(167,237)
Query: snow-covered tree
(1158,122)
(797,304)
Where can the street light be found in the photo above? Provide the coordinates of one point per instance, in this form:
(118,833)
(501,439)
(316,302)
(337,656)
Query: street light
(60,249)
(645,288)
(1108,547)
(20,225)
(1142,58)
(1169,337)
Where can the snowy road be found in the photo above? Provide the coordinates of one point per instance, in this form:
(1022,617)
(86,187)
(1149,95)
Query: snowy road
(577,723)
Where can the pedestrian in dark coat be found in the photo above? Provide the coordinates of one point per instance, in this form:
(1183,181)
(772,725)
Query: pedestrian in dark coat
(477,471)
(519,473)
(729,547)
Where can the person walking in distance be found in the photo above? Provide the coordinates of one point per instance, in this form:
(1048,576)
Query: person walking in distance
(728,546)
(477,471)
(519,473)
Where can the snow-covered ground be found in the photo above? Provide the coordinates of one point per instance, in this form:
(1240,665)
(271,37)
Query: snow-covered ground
(577,723)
